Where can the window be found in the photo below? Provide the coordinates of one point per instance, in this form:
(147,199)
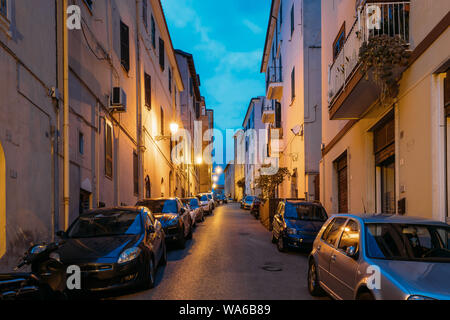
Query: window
(191,87)
(148,188)
(170,80)
(338,43)
(148,91)
(3,8)
(281,13)
(292,20)
(135,173)
(333,231)
(342,182)
(162,122)
(447,94)
(108,152)
(350,236)
(81,143)
(125,46)
(293,84)
(145,13)
(161,54)
(153,32)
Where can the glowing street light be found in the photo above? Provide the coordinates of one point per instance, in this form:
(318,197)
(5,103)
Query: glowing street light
(215,178)
(214,186)
(199,160)
(219,170)
(174,127)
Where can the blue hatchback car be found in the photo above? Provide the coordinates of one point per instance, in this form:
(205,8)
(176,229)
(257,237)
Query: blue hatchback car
(296,224)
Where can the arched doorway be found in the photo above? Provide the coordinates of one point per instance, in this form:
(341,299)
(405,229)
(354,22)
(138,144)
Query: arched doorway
(2,202)
(148,188)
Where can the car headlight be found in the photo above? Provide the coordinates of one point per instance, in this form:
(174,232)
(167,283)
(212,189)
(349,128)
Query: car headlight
(291,231)
(129,255)
(416,297)
(38,249)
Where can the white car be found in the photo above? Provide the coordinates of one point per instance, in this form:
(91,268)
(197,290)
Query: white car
(206,203)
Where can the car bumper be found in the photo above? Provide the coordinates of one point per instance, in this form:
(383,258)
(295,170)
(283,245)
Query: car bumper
(299,241)
(104,277)
(172,234)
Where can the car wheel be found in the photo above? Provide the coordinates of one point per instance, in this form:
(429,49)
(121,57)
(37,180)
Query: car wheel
(280,244)
(313,281)
(365,296)
(149,279)
(163,261)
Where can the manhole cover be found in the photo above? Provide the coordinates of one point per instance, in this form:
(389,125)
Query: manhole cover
(272,267)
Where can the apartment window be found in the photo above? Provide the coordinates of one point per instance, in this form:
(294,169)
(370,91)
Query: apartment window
(292,20)
(153,32)
(162,121)
(81,143)
(277,115)
(148,91)
(191,87)
(145,13)
(108,151)
(161,54)
(125,46)
(293,84)
(281,13)
(170,80)
(135,173)
(338,43)
(3,8)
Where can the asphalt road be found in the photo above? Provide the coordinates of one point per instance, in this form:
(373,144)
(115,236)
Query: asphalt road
(226,260)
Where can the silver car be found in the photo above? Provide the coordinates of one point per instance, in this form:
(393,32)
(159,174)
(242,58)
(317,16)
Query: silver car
(381,257)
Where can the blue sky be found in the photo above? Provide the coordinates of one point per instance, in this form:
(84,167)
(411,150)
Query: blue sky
(227,40)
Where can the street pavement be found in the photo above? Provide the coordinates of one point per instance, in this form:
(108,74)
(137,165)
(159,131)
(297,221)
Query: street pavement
(226,260)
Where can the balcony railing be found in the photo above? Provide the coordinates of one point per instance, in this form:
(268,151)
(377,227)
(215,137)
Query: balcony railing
(274,83)
(374,19)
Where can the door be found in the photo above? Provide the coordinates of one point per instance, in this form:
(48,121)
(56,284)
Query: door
(343,268)
(153,239)
(325,248)
(342,181)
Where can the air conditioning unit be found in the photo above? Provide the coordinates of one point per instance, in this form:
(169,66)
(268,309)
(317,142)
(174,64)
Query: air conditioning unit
(118,100)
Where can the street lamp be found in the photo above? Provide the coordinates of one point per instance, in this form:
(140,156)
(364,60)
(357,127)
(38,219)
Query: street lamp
(174,127)
(214,186)
(215,178)
(199,160)
(219,170)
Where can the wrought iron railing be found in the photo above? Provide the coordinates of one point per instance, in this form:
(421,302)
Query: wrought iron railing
(374,19)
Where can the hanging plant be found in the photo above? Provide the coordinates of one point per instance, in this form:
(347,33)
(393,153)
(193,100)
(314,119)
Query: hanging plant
(384,56)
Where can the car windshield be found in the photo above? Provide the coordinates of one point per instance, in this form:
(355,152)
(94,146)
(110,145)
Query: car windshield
(209,197)
(408,242)
(194,203)
(249,199)
(297,211)
(160,206)
(203,198)
(105,224)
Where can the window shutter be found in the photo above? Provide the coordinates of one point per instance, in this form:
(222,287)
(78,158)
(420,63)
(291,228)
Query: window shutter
(162,121)
(292,20)
(293,84)
(125,46)
(153,32)
(135,173)
(148,91)
(108,152)
(145,13)
(161,54)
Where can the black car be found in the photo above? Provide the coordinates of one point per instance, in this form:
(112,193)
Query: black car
(114,248)
(175,219)
(254,209)
(296,224)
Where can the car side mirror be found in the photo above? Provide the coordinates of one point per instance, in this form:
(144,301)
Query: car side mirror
(351,252)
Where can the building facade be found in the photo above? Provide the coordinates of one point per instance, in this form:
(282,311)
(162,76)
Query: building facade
(292,65)
(124,97)
(385,155)
(229,180)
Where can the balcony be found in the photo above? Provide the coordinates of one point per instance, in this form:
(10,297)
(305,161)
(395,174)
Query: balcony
(274,83)
(276,142)
(268,114)
(350,94)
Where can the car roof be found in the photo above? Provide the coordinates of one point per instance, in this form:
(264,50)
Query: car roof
(157,199)
(303,202)
(390,218)
(113,210)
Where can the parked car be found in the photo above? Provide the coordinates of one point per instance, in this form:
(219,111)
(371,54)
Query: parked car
(196,211)
(115,248)
(212,200)
(174,218)
(297,223)
(410,258)
(205,203)
(254,209)
(247,202)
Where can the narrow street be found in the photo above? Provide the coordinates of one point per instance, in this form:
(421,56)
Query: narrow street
(225,260)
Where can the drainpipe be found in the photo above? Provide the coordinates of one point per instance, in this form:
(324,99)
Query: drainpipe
(66,114)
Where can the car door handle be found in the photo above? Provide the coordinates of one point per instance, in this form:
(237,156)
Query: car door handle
(333,258)
(319,248)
